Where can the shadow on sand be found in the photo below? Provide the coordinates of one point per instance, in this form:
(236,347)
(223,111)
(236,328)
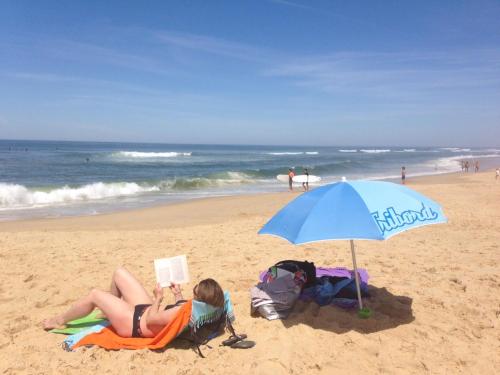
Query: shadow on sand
(388,311)
(177,344)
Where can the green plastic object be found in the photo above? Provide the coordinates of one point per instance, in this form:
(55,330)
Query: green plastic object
(80,324)
(364,313)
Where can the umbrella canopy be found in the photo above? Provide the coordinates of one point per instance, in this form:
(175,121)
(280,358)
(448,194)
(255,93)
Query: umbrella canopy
(349,210)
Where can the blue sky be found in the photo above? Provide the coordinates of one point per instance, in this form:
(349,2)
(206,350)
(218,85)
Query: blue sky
(252,72)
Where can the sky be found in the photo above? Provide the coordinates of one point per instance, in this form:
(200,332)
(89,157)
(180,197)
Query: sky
(280,72)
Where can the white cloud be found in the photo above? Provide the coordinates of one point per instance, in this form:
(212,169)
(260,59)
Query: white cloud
(216,46)
(291,4)
(98,55)
(398,73)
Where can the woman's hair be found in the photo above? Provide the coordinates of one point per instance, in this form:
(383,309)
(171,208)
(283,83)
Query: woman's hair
(209,291)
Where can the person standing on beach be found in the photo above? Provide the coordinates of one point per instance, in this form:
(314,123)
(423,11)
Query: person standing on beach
(403,175)
(497,174)
(466,166)
(291,174)
(476,166)
(305,185)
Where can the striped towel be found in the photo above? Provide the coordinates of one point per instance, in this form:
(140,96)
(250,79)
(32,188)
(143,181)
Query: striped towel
(193,313)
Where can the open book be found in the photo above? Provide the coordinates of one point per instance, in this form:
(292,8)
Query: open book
(171,270)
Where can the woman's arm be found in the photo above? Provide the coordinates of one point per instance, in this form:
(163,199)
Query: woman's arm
(176,291)
(156,317)
(161,317)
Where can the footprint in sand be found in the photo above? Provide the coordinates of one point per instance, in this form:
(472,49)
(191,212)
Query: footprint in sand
(28,279)
(42,304)
(19,324)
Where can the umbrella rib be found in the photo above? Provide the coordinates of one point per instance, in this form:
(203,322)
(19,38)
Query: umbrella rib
(367,209)
(323,197)
(302,224)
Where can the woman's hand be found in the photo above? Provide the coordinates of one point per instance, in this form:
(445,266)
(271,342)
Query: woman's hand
(176,291)
(175,288)
(158,292)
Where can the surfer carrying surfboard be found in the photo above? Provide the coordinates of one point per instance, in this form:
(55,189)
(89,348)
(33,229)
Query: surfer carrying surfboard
(305,184)
(291,174)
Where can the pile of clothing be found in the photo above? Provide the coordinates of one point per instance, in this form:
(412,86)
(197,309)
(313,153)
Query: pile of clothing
(289,280)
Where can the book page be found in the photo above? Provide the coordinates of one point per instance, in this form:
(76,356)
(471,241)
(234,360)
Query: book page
(171,270)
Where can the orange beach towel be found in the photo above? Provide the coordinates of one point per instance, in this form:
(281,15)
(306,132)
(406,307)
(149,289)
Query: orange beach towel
(109,339)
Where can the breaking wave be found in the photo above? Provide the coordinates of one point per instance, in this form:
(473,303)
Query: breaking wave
(294,153)
(453,162)
(14,196)
(19,196)
(455,149)
(216,180)
(146,155)
(375,151)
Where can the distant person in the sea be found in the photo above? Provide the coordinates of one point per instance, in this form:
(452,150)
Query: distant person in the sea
(291,174)
(131,311)
(403,175)
(305,185)
(87,160)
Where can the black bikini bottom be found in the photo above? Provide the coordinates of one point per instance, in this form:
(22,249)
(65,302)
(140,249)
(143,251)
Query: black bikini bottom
(136,320)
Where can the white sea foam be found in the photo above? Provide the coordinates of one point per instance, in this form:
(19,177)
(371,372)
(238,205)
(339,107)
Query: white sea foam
(294,153)
(452,163)
(216,180)
(348,150)
(456,149)
(238,176)
(444,164)
(477,156)
(285,153)
(14,196)
(19,196)
(145,155)
(375,151)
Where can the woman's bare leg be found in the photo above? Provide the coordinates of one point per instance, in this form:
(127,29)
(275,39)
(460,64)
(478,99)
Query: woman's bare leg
(125,285)
(113,288)
(116,310)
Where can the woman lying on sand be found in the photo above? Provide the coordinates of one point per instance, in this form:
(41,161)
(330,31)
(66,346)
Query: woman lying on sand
(130,309)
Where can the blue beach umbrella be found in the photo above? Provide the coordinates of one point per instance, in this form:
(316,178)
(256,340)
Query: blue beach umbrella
(353,210)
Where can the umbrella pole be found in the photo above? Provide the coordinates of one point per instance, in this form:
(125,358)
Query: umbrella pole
(356,276)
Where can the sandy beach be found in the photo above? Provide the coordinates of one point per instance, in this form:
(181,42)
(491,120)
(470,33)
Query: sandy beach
(435,290)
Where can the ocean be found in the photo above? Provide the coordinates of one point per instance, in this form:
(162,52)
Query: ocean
(43,179)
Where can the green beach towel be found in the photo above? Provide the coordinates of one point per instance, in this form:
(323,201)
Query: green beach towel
(80,324)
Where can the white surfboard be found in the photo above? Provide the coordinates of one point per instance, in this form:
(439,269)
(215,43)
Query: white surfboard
(282,177)
(304,178)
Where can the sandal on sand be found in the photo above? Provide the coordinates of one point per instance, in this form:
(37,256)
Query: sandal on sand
(243,344)
(233,339)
